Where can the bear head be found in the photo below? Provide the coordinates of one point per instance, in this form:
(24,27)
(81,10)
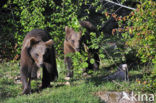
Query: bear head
(73,38)
(39,50)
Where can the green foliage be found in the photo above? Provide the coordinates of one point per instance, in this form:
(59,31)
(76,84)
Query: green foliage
(141,31)
(49,15)
(21,16)
(149,81)
(79,62)
(53,16)
(7,28)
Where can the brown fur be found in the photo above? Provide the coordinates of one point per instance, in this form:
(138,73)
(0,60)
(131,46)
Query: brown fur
(71,45)
(37,51)
(88,25)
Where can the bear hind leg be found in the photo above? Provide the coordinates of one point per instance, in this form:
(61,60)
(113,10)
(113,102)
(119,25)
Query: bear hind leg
(68,64)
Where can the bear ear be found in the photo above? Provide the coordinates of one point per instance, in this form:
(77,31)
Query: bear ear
(31,42)
(68,33)
(67,29)
(49,43)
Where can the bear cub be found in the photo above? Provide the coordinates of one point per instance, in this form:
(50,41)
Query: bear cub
(71,45)
(37,52)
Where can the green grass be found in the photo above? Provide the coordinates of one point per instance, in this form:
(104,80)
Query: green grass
(81,89)
(66,94)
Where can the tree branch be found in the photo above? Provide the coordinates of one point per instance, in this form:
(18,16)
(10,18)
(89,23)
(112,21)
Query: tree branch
(120,5)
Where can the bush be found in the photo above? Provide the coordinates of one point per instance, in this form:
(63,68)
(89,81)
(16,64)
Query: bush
(141,31)
(54,15)
(50,15)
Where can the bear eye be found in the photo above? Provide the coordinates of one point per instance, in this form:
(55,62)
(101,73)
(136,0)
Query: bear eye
(73,41)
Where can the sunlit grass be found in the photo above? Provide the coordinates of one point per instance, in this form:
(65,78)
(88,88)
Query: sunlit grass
(81,90)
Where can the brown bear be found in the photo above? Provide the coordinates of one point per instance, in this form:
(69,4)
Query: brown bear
(37,52)
(74,41)
(71,45)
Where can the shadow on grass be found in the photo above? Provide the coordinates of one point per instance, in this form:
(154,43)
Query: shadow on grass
(98,80)
(40,89)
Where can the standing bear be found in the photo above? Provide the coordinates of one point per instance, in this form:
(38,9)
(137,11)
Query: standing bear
(75,41)
(37,52)
(71,45)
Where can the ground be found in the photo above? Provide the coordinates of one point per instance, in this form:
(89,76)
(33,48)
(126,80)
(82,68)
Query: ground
(82,89)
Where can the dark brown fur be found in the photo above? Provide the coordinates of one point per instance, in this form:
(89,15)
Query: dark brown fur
(88,25)
(37,51)
(92,53)
(71,45)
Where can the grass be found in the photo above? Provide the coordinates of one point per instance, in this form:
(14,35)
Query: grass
(81,90)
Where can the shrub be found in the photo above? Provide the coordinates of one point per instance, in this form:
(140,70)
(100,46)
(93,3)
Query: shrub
(141,31)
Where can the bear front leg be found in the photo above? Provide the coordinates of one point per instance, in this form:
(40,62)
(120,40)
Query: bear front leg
(34,72)
(26,83)
(68,64)
(46,78)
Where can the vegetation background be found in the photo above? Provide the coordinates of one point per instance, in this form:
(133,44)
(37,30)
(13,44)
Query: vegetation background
(125,35)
